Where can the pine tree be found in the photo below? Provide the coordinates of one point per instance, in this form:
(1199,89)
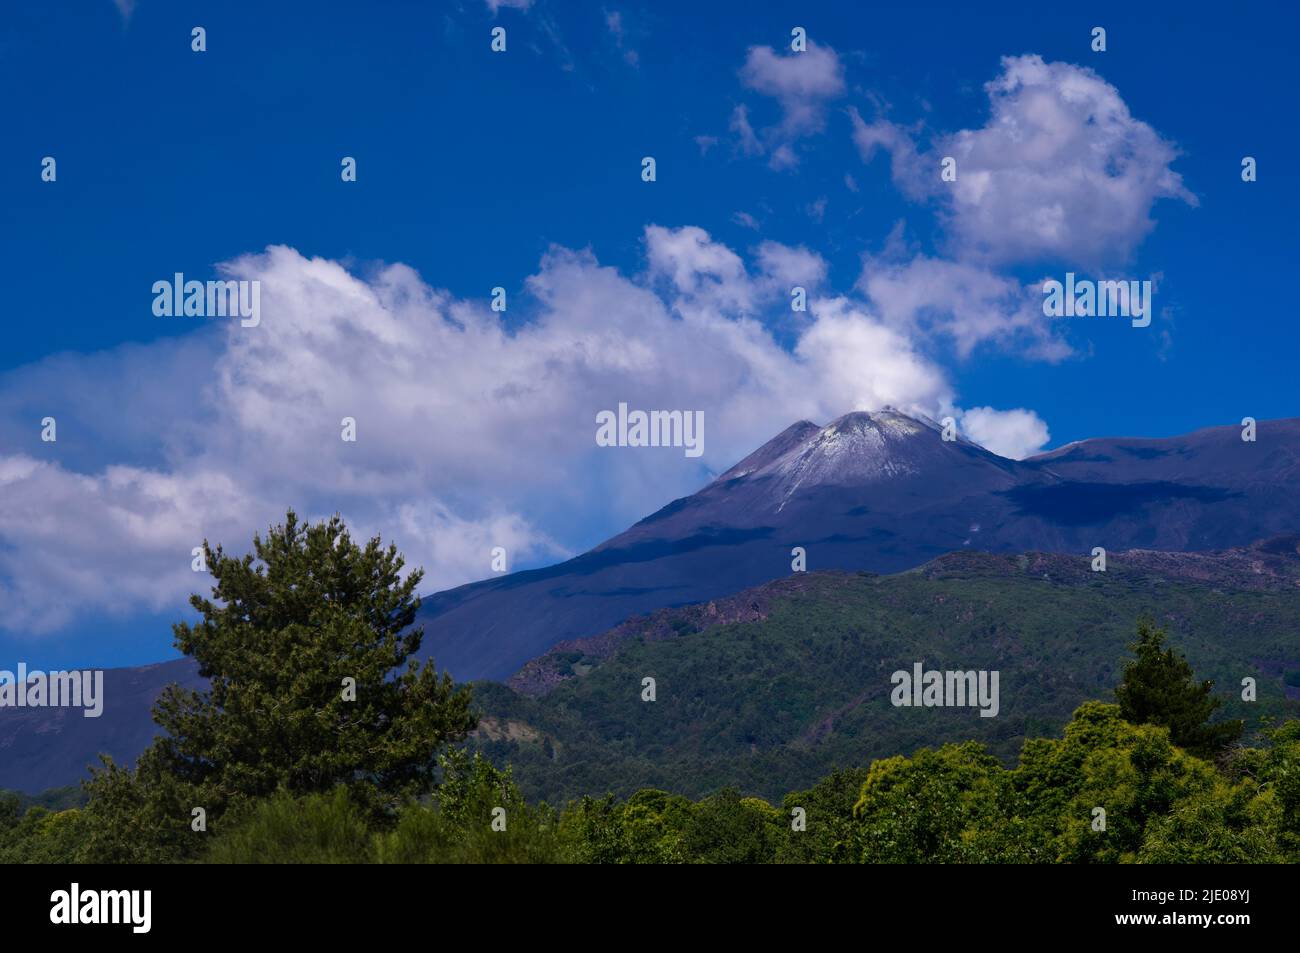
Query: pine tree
(1159,688)
(303,643)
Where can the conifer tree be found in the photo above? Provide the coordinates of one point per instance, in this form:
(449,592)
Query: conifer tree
(307,645)
(1159,688)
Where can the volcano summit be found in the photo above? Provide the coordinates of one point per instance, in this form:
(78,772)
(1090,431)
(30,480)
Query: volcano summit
(879,491)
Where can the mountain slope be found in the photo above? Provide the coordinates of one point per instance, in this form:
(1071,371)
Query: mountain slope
(774,688)
(880,492)
(42,748)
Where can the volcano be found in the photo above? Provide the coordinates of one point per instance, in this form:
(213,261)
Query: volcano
(879,491)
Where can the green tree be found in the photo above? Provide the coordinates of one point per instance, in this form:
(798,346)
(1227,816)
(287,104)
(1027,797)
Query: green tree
(11,810)
(1274,772)
(42,836)
(303,643)
(313,829)
(476,816)
(828,820)
(595,828)
(726,828)
(921,810)
(1159,688)
(649,828)
(1131,772)
(655,823)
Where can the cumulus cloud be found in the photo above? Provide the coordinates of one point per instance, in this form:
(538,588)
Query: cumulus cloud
(967,303)
(698,266)
(802,84)
(469,432)
(842,342)
(786,266)
(114,541)
(1015,434)
(1062,170)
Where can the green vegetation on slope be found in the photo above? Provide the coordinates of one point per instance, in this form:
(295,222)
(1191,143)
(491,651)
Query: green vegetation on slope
(952,804)
(315,745)
(773,704)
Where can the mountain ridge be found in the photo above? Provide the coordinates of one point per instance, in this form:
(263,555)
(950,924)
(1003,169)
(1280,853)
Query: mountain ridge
(1272,564)
(939,496)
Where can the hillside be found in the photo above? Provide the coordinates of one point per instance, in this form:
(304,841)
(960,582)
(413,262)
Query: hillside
(43,748)
(881,492)
(778,686)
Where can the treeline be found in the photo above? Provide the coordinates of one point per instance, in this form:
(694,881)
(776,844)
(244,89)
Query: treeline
(319,741)
(956,804)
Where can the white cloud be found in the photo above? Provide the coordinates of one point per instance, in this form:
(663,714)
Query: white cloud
(967,303)
(698,266)
(1015,434)
(458,547)
(1061,171)
(897,141)
(496,5)
(842,342)
(746,139)
(1062,167)
(114,541)
(802,84)
(785,266)
(469,435)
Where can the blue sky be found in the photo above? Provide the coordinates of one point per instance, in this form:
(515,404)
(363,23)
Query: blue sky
(522,170)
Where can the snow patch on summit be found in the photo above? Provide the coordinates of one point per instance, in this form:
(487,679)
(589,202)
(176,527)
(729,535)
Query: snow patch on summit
(857,448)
